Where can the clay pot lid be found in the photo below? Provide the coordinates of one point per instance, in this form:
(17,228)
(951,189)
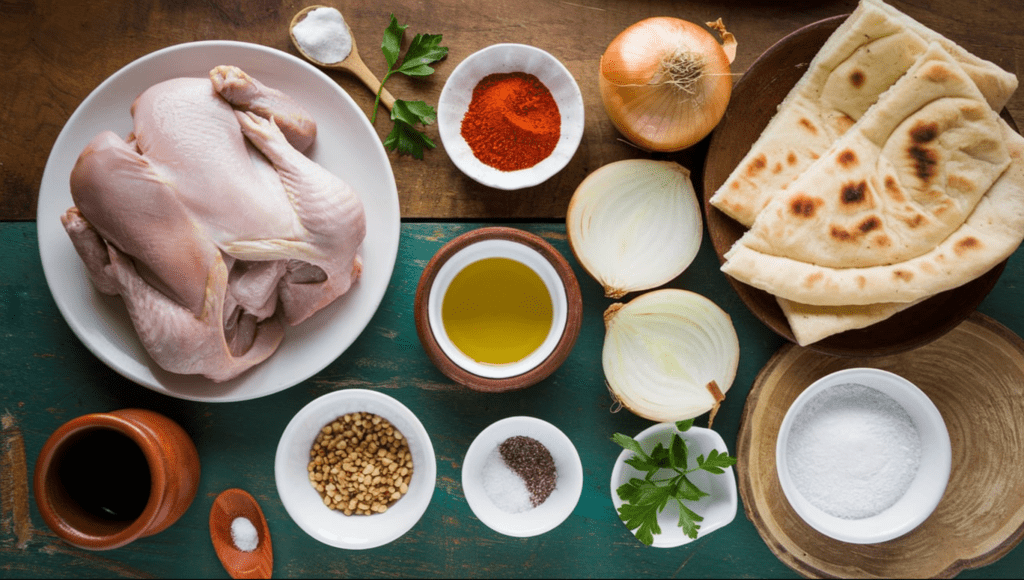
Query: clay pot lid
(574,311)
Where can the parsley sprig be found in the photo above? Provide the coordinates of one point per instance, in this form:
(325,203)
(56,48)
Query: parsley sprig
(646,498)
(423,51)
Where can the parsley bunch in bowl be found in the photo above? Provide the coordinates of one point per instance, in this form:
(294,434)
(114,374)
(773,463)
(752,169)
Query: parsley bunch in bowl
(666,479)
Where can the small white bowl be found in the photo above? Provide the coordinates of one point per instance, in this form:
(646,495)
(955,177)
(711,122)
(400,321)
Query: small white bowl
(304,504)
(925,489)
(718,508)
(558,505)
(513,250)
(505,58)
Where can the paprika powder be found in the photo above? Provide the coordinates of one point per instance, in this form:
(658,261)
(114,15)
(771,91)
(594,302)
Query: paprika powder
(513,122)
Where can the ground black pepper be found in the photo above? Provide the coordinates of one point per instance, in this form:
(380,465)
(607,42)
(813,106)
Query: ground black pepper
(533,463)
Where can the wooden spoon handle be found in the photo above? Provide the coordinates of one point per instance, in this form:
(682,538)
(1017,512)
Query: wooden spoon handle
(358,68)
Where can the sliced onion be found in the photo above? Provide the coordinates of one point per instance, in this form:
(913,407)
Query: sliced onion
(669,355)
(635,224)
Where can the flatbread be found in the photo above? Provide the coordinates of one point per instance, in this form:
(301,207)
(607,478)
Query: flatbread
(988,236)
(810,324)
(896,184)
(873,48)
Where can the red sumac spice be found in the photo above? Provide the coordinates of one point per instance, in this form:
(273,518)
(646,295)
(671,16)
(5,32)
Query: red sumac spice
(513,121)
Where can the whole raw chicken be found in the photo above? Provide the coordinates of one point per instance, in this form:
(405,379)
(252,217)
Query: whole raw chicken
(211,223)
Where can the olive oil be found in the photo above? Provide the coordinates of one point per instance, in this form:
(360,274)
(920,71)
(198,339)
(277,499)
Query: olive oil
(497,311)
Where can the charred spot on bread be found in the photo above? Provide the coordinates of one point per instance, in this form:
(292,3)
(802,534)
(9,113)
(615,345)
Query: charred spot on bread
(803,205)
(791,158)
(847,158)
(903,275)
(853,193)
(857,78)
(923,158)
(892,187)
(757,164)
(869,224)
(966,244)
(807,124)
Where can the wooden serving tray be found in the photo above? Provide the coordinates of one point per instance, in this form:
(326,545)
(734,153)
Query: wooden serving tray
(975,376)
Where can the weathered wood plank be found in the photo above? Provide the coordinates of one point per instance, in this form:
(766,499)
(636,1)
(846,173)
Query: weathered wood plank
(55,53)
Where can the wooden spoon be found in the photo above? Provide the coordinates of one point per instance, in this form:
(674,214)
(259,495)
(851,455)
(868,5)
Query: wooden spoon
(352,63)
(231,504)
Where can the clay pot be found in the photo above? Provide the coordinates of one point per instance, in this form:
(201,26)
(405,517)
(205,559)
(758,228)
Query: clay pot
(104,480)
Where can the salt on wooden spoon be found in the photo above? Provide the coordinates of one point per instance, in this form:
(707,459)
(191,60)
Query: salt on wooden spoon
(240,559)
(351,63)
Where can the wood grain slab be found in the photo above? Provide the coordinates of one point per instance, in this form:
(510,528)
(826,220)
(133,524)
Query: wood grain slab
(975,376)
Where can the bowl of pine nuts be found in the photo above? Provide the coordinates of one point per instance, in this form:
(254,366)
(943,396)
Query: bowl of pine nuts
(355,469)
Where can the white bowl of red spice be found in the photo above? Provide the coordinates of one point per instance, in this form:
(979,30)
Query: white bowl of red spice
(355,469)
(522,476)
(863,455)
(510,116)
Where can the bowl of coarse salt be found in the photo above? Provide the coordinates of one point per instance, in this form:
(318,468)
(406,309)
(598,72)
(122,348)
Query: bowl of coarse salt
(522,476)
(863,455)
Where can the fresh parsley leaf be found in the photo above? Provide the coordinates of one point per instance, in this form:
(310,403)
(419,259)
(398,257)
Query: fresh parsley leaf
(392,43)
(643,499)
(716,462)
(424,50)
(404,136)
(688,521)
(677,455)
(686,490)
(627,442)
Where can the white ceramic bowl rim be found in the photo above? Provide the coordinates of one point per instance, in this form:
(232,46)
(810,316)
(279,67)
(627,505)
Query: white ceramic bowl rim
(497,248)
(502,58)
(718,508)
(558,505)
(304,504)
(925,490)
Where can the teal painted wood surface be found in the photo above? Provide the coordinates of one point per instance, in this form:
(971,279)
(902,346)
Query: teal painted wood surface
(48,377)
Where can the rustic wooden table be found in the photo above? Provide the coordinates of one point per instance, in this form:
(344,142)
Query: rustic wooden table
(55,53)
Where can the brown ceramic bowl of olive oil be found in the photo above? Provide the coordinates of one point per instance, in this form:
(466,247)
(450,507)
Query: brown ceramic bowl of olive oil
(498,309)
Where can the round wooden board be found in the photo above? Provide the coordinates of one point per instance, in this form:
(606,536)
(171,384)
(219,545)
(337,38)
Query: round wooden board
(975,376)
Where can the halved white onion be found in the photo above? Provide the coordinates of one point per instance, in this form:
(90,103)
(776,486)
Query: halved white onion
(635,224)
(669,354)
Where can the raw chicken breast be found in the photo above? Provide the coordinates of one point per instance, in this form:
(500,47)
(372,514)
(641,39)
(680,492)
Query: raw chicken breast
(211,223)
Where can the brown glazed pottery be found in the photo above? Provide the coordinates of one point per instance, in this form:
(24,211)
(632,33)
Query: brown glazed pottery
(574,310)
(103,480)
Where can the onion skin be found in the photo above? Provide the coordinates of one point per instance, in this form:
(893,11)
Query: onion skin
(651,114)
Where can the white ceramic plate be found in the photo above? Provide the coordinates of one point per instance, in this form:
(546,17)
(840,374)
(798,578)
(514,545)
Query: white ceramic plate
(718,508)
(346,144)
(305,505)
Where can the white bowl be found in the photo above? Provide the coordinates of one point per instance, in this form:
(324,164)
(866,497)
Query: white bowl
(304,503)
(718,508)
(498,248)
(558,505)
(925,489)
(504,58)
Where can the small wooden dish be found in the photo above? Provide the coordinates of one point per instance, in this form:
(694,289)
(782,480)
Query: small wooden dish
(231,504)
(574,311)
(752,105)
(973,374)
